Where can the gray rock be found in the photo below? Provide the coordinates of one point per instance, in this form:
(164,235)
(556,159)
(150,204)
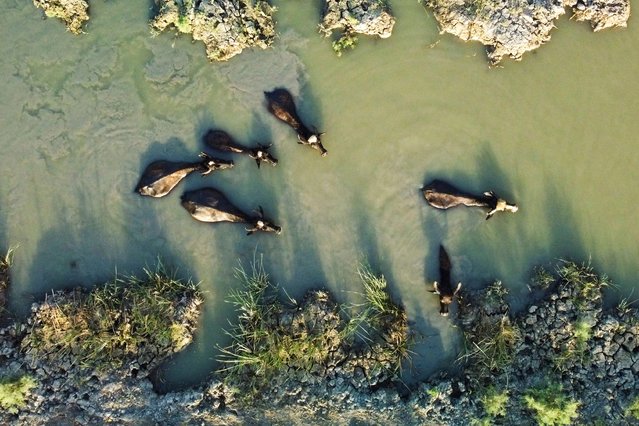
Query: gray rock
(226,27)
(370,17)
(512,28)
(74,13)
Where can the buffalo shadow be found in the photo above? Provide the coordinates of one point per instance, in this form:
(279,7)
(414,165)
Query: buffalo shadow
(510,240)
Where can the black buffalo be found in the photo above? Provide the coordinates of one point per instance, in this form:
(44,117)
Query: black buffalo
(280,103)
(222,141)
(444,287)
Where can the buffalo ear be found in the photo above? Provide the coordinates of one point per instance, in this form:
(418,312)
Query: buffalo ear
(435,287)
(458,288)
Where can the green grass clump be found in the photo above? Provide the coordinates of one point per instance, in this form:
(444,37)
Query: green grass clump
(14,392)
(576,347)
(585,281)
(434,394)
(5,263)
(382,314)
(490,345)
(541,278)
(184,23)
(494,402)
(493,346)
(261,346)
(633,409)
(348,40)
(118,320)
(550,406)
(254,349)
(269,339)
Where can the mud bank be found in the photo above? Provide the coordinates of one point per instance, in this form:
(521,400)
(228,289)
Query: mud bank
(512,28)
(564,357)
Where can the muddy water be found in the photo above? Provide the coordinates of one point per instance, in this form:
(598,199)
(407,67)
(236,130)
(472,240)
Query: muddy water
(81,117)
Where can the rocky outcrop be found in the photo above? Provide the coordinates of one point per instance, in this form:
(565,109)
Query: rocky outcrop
(74,13)
(514,27)
(226,27)
(602,14)
(369,17)
(353,17)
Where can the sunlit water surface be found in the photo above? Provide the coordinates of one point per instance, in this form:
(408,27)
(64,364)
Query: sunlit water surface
(82,116)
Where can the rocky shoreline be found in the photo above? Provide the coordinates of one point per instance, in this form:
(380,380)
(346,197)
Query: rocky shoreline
(508,28)
(563,346)
(226,27)
(512,28)
(74,13)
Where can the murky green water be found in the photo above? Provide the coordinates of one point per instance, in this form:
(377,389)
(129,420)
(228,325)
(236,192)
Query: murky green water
(81,117)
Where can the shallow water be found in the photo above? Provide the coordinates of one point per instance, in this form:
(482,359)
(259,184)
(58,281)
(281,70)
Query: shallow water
(83,116)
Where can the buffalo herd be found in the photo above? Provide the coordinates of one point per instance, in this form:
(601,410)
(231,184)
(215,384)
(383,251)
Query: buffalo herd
(211,205)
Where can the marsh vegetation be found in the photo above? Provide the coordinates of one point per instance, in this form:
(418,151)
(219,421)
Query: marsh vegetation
(491,340)
(14,391)
(116,322)
(271,338)
(5,264)
(550,406)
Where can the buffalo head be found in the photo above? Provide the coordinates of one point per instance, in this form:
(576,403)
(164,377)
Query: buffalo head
(261,154)
(498,204)
(314,142)
(264,226)
(446,296)
(261,224)
(211,164)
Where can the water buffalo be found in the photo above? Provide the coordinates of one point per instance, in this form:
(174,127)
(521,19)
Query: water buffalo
(160,177)
(220,140)
(210,205)
(282,106)
(444,288)
(443,195)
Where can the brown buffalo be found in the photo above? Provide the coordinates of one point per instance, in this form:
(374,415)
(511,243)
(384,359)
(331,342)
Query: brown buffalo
(443,195)
(160,177)
(210,205)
